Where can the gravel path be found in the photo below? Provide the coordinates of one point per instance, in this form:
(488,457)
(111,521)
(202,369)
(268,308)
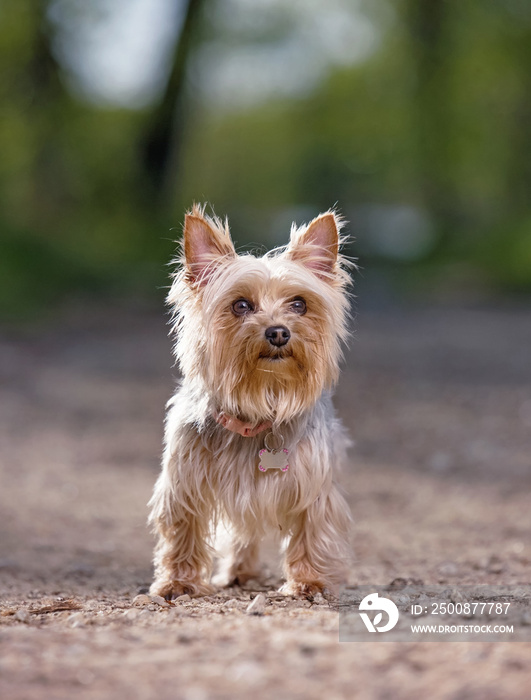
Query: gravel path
(439,405)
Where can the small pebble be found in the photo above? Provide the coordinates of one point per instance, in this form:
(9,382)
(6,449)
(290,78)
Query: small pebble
(257,605)
(402,599)
(145,614)
(159,600)
(183,598)
(22,615)
(526,618)
(76,620)
(449,568)
(456,596)
(319,599)
(141,599)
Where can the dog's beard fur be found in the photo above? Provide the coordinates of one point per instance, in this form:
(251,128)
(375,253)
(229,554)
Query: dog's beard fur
(230,367)
(228,356)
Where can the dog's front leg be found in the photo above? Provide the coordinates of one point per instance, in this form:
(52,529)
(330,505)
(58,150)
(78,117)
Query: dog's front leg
(183,556)
(318,552)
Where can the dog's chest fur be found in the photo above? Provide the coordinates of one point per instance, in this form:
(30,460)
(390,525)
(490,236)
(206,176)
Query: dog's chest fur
(223,466)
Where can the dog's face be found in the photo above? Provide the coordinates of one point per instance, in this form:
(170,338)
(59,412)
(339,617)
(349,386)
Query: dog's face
(262,334)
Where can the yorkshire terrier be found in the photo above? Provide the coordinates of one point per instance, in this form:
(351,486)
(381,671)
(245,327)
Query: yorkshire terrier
(252,443)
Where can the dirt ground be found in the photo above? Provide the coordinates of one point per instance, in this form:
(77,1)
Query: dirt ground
(439,405)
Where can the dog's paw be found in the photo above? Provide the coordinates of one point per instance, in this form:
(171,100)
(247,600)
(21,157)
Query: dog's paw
(300,589)
(173,589)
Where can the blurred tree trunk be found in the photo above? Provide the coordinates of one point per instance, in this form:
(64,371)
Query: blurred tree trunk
(518,190)
(161,144)
(428,22)
(45,100)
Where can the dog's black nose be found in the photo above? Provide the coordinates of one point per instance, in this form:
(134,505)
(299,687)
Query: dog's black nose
(277,335)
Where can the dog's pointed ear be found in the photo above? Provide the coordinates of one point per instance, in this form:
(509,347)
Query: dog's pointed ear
(317,246)
(207,244)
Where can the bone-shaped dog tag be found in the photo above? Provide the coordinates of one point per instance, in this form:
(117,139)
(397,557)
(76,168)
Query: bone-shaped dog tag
(273,459)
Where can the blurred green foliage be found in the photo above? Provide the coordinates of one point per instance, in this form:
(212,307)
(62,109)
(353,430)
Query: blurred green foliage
(438,120)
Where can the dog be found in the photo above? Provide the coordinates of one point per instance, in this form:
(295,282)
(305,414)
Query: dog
(252,444)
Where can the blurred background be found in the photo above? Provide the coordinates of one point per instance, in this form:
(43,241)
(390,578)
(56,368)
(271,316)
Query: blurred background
(412,116)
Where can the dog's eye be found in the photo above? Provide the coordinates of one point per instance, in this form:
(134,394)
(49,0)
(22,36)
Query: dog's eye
(298,306)
(242,307)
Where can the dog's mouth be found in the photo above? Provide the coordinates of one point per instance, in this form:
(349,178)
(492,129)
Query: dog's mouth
(275,356)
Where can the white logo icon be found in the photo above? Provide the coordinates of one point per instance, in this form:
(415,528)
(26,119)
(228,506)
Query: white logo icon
(374,602)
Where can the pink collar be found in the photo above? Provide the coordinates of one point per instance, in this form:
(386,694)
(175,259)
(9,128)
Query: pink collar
(235,425)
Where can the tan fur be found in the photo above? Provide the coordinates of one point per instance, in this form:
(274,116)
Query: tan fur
(210,475)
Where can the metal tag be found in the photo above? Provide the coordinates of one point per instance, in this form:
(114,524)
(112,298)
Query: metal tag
(273,459)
